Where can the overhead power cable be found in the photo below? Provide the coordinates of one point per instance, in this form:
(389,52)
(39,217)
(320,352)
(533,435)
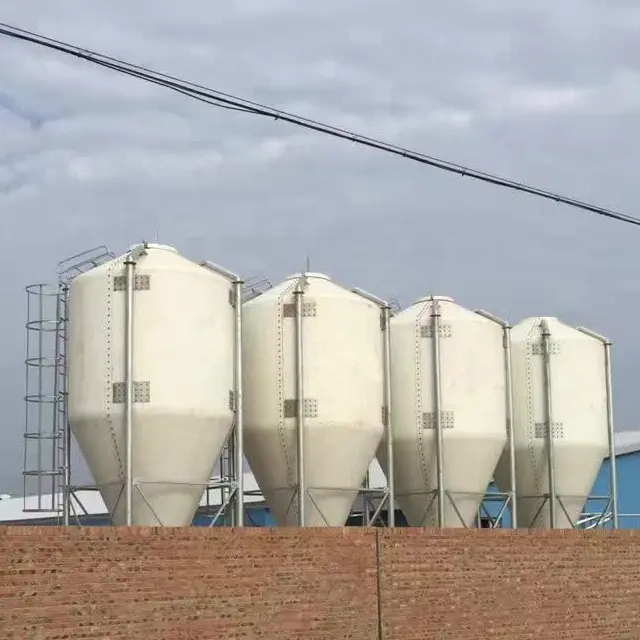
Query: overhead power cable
(228,101)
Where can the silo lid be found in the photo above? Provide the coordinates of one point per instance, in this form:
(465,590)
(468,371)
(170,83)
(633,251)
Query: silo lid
(430,298)
(309,274)
(538,319)
(154,245)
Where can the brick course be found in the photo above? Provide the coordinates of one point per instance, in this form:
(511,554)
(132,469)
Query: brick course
(322,584)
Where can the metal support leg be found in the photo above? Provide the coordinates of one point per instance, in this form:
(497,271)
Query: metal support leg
(613,479)
(302,490)
(511,439)
(391,504)
(128,420)
(511,443)
(239,449)
(437,395)
(546,342)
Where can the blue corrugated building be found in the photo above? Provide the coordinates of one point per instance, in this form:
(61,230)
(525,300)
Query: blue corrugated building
(628,471)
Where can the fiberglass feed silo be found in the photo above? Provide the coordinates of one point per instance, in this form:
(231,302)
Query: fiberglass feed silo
(577,402)
(341,343)
(182,373)
(460,376)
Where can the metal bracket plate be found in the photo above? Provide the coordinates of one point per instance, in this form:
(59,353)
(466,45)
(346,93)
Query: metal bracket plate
(446,418)
(309,310)
(537,348)
(444,331)
(542,428)
(309,408)
(140,283)
(141,392)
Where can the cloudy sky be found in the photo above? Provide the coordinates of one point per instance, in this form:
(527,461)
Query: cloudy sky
(545,92)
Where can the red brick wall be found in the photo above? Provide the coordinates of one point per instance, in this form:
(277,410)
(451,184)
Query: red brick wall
(173,584)
(161,584)
(481,583)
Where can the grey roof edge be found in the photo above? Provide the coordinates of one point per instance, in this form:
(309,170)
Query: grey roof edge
(627,442)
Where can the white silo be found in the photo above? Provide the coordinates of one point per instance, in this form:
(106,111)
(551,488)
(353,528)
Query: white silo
(310,338)
(560,376)
(151,377)
(448,410)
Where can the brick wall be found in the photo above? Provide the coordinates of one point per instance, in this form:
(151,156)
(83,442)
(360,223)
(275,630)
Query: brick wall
(162,584)
(481,583)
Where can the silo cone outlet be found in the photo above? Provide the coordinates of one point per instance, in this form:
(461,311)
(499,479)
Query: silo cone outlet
(465,482)
(333,476)
(172,464)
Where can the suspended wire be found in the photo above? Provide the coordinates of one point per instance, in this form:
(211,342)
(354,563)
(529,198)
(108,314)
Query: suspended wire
(176,88)
(224,100)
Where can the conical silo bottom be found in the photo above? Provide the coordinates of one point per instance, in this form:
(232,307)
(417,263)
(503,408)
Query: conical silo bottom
(173,457)
(336,463)
(576,470)
(535,513)
(167,505)
(323,508)
(468,464)
(422,510)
